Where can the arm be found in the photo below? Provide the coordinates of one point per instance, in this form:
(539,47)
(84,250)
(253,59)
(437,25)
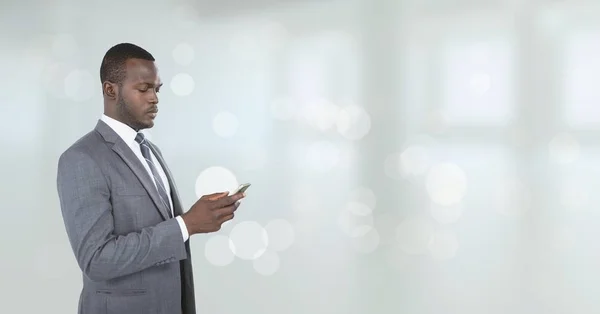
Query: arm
(87,214)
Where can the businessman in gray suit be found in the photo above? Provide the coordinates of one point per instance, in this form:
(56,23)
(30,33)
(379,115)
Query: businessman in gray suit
(120,206)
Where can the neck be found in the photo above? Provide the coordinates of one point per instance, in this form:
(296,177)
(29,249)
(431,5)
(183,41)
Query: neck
(112,115)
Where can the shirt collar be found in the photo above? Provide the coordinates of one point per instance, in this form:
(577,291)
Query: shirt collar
(123,130)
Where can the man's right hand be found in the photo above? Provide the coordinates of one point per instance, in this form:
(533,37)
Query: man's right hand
(210,212)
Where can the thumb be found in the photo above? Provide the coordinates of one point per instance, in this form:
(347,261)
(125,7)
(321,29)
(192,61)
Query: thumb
(216,196)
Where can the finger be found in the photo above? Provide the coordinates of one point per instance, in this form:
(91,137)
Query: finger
(212,196)
(226,218)
(227,200)
(235,205)
(216,196)
(225,211)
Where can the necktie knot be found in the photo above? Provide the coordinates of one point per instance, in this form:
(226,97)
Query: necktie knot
(139,138)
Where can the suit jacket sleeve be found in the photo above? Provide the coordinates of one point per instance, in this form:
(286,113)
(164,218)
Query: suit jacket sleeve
(87,214)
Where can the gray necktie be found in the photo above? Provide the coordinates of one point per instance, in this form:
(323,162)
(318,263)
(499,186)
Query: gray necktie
(162,192)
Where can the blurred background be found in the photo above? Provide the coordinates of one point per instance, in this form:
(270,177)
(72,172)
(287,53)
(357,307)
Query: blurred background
(405,156)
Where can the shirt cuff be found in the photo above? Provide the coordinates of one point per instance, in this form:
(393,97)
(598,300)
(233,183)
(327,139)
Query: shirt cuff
(183,227)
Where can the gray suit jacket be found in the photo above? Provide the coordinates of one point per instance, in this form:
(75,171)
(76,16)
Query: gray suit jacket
(133,257)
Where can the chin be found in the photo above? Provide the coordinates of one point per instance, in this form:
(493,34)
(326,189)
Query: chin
(145,124)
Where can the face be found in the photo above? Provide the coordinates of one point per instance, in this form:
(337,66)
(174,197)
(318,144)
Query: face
(136,98)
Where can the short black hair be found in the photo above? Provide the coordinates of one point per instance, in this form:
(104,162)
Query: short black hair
(113,64)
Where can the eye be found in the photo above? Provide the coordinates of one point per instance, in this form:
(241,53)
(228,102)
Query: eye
(143,90)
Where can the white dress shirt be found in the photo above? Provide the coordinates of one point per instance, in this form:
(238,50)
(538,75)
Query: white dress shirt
(128,135)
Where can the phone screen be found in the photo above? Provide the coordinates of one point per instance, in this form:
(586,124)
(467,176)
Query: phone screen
(242,188)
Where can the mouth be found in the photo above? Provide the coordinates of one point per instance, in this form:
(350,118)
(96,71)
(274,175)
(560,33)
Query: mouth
(153,114)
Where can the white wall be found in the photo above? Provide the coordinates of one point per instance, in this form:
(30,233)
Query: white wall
(405,156)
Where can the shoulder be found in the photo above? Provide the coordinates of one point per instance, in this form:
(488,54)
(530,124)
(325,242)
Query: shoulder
(85,149)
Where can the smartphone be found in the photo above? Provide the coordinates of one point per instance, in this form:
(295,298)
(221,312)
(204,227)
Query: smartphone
(241,189)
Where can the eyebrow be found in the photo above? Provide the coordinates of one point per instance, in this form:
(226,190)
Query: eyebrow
(150,84)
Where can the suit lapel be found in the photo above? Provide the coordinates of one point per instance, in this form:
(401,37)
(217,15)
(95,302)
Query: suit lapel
(134,164)
(177,208)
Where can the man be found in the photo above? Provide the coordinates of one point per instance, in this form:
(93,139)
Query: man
(120,205)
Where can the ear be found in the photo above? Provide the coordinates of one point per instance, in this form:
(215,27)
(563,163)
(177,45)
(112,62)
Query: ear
(110,89)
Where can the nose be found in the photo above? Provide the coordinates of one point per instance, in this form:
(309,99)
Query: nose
(153,98)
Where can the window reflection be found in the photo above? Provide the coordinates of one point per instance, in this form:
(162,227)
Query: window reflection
(582,70)
(477,86)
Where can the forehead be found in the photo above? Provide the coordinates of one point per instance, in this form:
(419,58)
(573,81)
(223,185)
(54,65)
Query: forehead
(141,71)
